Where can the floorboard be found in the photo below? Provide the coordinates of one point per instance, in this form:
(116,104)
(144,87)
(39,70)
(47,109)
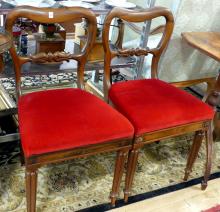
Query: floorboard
(191,199)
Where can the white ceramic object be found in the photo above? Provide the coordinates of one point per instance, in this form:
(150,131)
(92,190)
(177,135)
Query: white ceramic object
(34,3)
(75,4)
(123,4)
(91,1)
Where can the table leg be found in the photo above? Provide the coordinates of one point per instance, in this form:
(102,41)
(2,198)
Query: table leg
(213,100)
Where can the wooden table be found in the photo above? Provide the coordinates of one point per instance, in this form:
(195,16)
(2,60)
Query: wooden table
(208,43)
(43,44)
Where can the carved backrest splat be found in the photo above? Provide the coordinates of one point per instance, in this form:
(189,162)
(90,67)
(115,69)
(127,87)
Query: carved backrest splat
(135,16)
(133,52)
(52,16)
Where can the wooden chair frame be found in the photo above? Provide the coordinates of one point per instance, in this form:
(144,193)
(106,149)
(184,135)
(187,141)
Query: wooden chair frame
(32,163)
(203,128)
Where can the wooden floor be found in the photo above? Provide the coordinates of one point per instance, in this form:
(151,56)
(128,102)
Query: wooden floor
(191,199)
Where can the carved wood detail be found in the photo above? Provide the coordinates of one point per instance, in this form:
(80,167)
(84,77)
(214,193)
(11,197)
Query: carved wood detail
(213,98)
(51,57)
(133,52)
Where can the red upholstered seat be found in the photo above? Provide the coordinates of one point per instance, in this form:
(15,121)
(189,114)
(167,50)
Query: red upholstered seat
(152,104)
(62,119)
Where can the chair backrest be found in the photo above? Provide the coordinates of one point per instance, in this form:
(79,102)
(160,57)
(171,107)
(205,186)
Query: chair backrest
(52,16)
(135,16)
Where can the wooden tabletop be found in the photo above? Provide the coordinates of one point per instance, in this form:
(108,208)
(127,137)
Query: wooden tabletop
(206,42)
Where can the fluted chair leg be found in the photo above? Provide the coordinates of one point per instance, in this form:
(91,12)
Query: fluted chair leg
(119,168)
(199,135)
(209,147)
(132,162)
(31,189)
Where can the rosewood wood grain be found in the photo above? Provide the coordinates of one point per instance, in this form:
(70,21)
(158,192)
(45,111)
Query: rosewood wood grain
(209,149)
(159,135)
(32,163)
(174,131)
(206,42)
(31,189)
(213,99)
(119,168)
(133,52)
(197,142)
(54,157)
(51,57)
(210,81)
(132,163)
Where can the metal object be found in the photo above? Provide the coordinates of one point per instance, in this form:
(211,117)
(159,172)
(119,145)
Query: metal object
(24,41)
(9,137)
(144,40)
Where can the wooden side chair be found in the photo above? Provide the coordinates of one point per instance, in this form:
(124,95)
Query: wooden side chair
(62,124)
(157,109)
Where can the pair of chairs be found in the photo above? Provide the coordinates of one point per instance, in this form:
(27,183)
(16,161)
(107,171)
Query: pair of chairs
(62,124)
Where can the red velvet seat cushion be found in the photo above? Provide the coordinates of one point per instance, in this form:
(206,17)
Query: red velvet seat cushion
(62,119)
(152,105)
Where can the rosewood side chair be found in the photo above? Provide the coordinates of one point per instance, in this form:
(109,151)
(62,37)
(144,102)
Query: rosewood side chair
(62,124)
(157,109)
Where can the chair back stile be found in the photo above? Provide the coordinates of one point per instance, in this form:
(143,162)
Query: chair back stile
(135,16)
(52,15)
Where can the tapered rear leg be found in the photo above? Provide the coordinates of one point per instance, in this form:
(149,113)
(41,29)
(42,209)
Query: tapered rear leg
(209,148)
(197,141)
